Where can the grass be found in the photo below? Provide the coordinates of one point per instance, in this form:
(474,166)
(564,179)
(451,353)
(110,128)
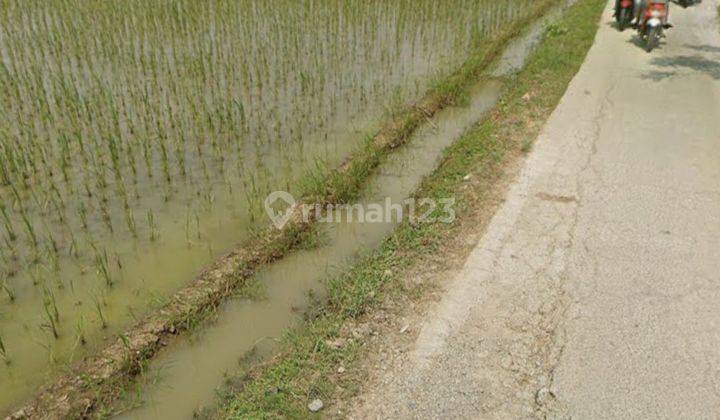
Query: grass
(306,368)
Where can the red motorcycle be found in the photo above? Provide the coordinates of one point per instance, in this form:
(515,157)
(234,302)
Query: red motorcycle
(653,21)
(624,13)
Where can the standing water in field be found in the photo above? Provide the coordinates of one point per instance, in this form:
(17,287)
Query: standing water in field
(139,138)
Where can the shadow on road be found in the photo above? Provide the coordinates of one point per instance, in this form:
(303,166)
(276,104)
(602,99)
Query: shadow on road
(703,48)
(657,75)
(692,62)
(637,41)
(614,24)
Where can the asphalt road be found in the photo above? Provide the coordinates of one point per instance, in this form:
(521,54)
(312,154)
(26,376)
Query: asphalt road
(595,292)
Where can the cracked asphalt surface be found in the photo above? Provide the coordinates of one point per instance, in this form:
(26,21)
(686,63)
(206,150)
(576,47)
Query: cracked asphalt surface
(595,292)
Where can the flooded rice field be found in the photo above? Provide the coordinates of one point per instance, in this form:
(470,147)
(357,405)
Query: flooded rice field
(138,140)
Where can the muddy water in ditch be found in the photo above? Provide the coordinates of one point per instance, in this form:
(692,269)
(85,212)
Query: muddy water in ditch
(185,377)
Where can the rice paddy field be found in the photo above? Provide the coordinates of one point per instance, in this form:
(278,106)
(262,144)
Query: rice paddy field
(139,139)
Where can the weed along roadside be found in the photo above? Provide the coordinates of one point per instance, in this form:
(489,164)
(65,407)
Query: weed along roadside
(321,365)
(98,380)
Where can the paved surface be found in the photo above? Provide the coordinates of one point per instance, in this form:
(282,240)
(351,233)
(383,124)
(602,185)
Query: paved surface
(595,292)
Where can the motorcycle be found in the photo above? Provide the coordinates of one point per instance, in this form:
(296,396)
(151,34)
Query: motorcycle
(624,14)
(654,22)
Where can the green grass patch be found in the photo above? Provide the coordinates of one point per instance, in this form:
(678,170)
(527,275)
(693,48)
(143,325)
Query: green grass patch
(306,368)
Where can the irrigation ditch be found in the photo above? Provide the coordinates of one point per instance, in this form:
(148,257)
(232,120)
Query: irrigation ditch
(96,382)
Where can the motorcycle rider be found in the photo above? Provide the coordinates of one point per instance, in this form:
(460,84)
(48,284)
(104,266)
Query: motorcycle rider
(617,6)
(639,11)
(640,6)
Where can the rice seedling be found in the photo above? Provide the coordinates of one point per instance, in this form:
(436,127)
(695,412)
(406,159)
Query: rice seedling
(130,220)
(152,226)
(125,340)
(51,313)
(3,351)
(102,266)
(7,289)
(99,311)
(8,223)
(80,331)
(30,229)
